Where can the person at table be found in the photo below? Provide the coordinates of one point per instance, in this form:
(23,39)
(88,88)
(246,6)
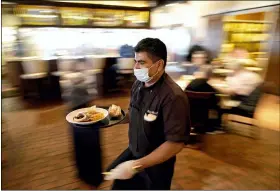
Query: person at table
(200,84)
(197,56)
(158,127)
(243,85)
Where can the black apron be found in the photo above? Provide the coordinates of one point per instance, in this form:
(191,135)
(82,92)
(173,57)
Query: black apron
(145,137)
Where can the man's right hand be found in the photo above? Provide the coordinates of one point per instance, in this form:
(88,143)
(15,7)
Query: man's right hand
(123,171)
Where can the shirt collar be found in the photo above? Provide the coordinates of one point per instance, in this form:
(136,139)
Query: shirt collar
(155,85)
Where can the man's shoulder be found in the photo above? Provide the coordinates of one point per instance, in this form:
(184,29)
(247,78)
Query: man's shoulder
(171,89)
(135,85)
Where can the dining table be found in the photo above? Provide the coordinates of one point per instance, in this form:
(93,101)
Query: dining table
(218,83)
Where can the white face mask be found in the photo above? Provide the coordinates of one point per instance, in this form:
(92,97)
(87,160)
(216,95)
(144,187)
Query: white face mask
(143,74)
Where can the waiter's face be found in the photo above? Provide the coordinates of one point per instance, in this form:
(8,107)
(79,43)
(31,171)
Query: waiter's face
(142,60)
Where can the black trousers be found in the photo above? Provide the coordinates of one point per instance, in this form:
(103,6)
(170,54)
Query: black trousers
(158,177)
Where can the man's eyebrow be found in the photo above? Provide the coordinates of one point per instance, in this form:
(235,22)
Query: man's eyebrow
(139,60)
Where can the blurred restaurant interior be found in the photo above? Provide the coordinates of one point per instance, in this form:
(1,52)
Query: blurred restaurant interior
(50,48)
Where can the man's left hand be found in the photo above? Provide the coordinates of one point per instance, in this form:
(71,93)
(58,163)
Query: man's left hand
(123,171)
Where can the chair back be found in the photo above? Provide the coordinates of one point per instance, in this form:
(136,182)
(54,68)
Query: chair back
(249,103)
(200,103)
(65,65)
(80,65)
(34,66)
(125,63)
(96,63)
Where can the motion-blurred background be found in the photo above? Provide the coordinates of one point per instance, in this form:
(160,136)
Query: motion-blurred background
(50,48)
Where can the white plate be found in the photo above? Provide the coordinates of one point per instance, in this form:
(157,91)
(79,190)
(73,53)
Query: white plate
(70,116)
(187,77)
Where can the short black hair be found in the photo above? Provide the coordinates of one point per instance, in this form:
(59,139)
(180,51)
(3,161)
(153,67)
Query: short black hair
(193,49)
(155,48)
(199,48)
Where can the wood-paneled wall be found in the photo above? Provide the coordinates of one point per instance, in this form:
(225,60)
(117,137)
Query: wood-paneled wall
(272,78)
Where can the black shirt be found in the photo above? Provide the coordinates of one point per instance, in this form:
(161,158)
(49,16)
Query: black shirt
(200,85)
(166,101)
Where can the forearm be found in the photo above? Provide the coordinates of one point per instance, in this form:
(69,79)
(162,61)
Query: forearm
(161,154)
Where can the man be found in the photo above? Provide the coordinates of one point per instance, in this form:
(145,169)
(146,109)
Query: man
(243,85)
(159,123)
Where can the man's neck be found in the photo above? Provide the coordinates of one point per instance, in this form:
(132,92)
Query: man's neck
(154,80)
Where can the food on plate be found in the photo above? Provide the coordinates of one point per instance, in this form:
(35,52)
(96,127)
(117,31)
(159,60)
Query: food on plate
(90,114)
(81,117)
(115,111)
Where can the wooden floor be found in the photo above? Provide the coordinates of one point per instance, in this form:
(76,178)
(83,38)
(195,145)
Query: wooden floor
(37,147)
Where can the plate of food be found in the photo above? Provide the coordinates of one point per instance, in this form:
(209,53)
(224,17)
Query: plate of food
(87,116)
(115,112)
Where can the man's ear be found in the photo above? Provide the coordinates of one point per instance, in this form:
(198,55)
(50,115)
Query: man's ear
(161,62)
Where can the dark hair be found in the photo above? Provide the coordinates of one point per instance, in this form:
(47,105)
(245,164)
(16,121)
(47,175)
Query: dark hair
(193,49)
(155,48)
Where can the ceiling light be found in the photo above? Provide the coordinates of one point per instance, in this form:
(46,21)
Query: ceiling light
(7,3)
(39,16)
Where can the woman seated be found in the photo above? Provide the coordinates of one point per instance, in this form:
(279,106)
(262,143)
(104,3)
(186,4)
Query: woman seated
(243,85)
(197,56)
(200,84)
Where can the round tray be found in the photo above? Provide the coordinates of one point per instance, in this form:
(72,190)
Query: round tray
(107,122)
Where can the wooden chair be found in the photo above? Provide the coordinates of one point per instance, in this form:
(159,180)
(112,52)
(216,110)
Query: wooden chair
(37,71)
(200,103)
(125,65)
(94,74)
(246,125)
(125,72)
(64,66)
